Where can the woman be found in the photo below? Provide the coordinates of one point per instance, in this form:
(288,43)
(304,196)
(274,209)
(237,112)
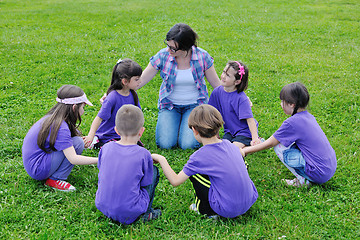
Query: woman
(183,68)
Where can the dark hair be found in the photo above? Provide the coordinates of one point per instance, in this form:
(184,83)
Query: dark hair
(59,113)
(183,35)
(245,78)
(205,119)
(295,93)
(127,69)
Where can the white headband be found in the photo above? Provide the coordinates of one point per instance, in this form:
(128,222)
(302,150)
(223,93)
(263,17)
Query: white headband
(75,100)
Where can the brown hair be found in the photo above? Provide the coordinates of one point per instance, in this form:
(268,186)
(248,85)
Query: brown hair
(129,119)
(245,78)
(59,113)
(206,119)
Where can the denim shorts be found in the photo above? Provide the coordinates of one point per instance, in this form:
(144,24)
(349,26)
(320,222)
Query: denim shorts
(295,159)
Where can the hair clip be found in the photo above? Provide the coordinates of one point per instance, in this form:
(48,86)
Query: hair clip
(241,70)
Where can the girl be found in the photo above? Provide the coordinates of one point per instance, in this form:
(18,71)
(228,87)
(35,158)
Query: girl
(125,79)
(300,143)
(240,127)
(53,146)
(217,171)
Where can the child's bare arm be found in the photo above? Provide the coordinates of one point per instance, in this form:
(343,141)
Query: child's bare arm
(254,133)
(76,159)
(269,143)
(174,179)
(94,127)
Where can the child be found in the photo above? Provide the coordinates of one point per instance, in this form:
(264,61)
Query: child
(127,177)
(300,143)
(240,127)
(125,79)
(218,173)
(53,146)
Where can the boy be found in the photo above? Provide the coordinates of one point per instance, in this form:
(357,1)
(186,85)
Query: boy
(217,171)
(127,177)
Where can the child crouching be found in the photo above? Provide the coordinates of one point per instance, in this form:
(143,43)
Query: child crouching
(217,170)
(127,177)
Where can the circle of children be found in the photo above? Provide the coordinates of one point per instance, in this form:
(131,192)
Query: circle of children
(127,176)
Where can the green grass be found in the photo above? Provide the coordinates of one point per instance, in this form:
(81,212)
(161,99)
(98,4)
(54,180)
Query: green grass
(45,44)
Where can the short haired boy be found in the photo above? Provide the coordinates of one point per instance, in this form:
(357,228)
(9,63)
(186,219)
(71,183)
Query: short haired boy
(217,170)
(127,177)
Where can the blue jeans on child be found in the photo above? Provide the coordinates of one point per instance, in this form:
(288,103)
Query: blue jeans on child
(295,159)
(172,128)
(60,166)
(151,188)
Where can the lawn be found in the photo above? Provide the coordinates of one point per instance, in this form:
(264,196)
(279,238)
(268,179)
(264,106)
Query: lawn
(45,44)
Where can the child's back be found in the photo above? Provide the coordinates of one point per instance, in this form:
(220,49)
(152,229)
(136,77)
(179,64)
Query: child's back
(123,170)
(231,192)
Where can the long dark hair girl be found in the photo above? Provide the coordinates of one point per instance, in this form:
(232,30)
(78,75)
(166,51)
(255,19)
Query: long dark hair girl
(127,69)
(59,113)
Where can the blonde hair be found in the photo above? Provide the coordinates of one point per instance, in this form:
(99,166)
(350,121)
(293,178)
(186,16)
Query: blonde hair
(129,119)
(206,119)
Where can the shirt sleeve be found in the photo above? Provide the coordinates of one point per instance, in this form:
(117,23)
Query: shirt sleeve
(148,170)
(244,108)
(285,134)
(106,107)
(156,60)
(209,61)
(63,139)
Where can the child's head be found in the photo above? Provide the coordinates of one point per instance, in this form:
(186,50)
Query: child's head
(71,100)
(129,120)
(295,93)
(241,74)
(69,108)
(124,70)
(206,119)
(183,35)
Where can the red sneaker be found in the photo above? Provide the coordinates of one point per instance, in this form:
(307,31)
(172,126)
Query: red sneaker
(60,185)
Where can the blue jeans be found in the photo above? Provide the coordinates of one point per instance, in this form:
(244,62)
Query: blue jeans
(172,128)
(151,188)
(295,159)
(60,166)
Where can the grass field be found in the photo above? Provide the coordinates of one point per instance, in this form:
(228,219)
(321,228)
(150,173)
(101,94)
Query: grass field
(45,44)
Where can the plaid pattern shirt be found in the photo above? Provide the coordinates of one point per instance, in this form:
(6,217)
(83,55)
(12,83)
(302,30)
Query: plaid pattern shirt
(166,64)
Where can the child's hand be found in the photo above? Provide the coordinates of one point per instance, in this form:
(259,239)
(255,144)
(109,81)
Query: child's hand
(242,152)
(255,142)
(157,158)
(103,98)
(87,141)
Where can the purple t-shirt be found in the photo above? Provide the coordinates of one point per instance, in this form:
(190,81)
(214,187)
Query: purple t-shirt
(231,192)
(37,163)
(234,108)
(123,171)
(320,157)
(107,113)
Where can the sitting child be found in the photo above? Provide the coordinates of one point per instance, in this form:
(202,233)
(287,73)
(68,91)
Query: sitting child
(217,170)
(127,177)
(300,142)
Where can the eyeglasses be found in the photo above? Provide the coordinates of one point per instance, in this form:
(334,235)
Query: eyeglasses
(172,49)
